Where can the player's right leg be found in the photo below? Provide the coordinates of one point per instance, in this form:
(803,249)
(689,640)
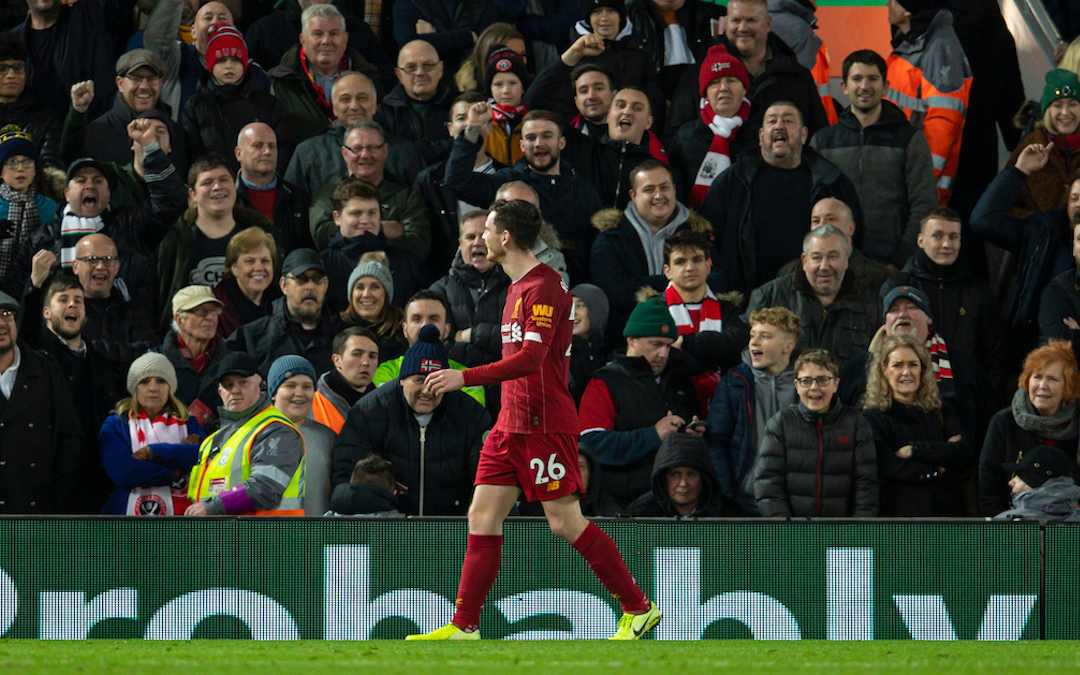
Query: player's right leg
(489,508)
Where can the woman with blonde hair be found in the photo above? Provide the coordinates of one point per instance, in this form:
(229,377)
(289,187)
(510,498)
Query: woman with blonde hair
(149,443)
(250,281)
(470,76)
(920,450)
(1043,412)
(1060,128)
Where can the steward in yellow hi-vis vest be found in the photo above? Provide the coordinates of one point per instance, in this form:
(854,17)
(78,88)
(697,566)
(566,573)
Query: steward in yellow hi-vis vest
(254,465)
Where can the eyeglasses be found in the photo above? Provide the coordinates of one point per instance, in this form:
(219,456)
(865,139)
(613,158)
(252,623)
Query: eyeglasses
(19,163)
(203,311)
(152,80)
(317,279)
(17,68)
(821,382)
(7,315)
(361,148)
(414,68)
(104,261)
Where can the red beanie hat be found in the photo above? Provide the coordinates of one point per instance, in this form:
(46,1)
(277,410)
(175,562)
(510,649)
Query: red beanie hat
(224,41)
(719,63)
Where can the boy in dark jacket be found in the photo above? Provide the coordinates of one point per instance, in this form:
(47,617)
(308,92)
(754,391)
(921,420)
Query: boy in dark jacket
(228,100)
(372,491)
(817,458)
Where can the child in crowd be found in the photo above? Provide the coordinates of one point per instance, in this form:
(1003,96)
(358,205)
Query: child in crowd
(817,457)
(25,213)
(372,490)
(505,78)
(358,216)
(228,100)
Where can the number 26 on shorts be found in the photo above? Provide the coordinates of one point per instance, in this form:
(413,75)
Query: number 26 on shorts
(555,470)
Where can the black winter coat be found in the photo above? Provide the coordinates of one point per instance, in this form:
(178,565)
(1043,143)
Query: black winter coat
(482,313)
(215,114)
(278,335)
(606,163)
(1006,441)
(106,138)
(916,487)
(650,28)
(967,318)
(396,114)
(1060,299)
(728,205)
(41,443)
(44,127)
(814,464)
(437,467)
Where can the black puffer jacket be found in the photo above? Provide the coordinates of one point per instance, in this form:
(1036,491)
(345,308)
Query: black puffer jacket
(215,114)
(437,467)
(476,302)
(814,464)
(44,128)
(278,335)
(681,450)
(916,487)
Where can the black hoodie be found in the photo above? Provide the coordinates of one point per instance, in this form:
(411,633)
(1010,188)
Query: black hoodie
(682,450)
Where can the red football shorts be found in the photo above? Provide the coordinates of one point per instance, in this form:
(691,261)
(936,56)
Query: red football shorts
(544,466)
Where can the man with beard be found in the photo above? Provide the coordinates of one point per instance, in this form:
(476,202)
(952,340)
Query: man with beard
(837,315)
(91,377)
(119,319)
(299,322)
(404,217)
(760,206)
(42,459)
(566,199)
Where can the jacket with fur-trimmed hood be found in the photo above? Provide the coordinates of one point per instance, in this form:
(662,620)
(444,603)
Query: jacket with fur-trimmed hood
(618,262)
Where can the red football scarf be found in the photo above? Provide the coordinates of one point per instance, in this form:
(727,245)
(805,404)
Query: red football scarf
(506,114)
(1066,145)
(320,96)
(718,157)
(707,318)
(939,359)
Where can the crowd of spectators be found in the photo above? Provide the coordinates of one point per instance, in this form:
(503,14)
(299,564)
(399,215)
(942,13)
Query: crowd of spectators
(236,236)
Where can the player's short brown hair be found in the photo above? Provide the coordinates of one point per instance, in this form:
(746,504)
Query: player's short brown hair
(521,219)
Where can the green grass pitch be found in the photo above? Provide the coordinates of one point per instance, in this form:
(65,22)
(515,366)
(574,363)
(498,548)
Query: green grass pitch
(221,657)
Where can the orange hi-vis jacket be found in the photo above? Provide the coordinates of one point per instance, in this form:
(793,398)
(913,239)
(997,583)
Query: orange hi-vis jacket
(820,71)
(930,80)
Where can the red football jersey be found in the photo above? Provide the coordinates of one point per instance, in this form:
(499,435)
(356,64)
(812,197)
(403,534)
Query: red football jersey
(539,308)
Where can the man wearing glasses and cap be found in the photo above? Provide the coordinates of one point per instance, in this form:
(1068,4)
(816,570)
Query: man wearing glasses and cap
(299,323)
(253,465)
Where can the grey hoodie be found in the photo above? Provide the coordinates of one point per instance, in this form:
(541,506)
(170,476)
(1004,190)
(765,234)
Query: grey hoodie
(653,243)
(1054,500)
(772,393)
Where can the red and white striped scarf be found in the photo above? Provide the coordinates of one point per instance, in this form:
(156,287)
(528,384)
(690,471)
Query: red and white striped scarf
(157,500)
(939,358)
(708,312)
(718,158)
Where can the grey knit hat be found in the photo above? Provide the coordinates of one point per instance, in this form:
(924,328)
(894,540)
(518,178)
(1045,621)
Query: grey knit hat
(151,364)
(288,366)
(375,269)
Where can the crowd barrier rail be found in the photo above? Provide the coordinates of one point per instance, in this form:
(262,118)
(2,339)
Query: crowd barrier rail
(357,579)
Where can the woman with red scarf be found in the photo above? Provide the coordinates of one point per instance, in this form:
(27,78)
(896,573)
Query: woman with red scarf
(506,79)
(1048,187)
(705,147)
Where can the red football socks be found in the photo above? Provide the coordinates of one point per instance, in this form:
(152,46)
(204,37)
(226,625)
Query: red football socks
(482,559)
(607,564)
